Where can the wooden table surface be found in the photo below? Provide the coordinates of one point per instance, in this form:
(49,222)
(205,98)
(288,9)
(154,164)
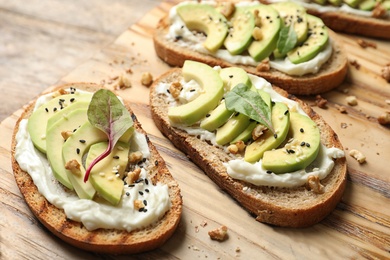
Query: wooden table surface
(48,42)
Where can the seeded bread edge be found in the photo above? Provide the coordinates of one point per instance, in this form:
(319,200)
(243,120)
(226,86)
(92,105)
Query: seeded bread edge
(101,240)
(331,74)
(298,207)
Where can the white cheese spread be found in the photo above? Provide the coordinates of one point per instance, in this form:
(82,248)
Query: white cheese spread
(194,42)
(255,173)
(96,213)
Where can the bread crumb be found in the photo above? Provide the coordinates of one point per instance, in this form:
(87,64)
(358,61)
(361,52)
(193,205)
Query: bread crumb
(238,249)
(386,72)
(343,125)
(341,109)
(219,234)
(384,119)
(204,223)
(258,131)
(314,184)
(357,155)
(351,100)
(355,64)
(196,229)
(146,79)
(321,102)
(364,44)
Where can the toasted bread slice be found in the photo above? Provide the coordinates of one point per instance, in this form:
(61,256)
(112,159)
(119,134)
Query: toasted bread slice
(331,74)
(288,207)
(102,240)
(352,23)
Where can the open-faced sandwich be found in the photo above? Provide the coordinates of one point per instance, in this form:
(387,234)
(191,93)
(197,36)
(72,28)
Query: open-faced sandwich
(90,174)
(269,150)
(362,17)
(280,42)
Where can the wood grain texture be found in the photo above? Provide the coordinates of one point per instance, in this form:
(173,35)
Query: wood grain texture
(359,228)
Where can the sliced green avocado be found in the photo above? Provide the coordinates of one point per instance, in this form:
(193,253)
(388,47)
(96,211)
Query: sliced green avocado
(231,77)
(106,174)
(320,2)
(295,14)
(54,142)
(335,2)
(240,34)
(352,3)
(300,151)
(38,120)
(367,5)
(280,121)
(76,147)
(386,4)
(232,128)
(64,113)
(315,43)
(270,24)
(205,18)
(247,133)
(213,91)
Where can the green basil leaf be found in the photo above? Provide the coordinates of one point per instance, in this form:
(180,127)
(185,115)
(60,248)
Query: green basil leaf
(287,39)
(107,113)
(243,100)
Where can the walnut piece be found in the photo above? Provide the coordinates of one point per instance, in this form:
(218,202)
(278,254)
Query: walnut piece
(227,9)
(314,184)
(342,109)
(146,79)
(66,134)
(384,119)
(258,131)
(357,155)
(139,204)
(175,89)
(386,72)
(263,65)
(135,157)
(379,11)
(124,81)
(321,102)
(351,100)
(232,149)
(365,44)
(73,166)
(133,176)
(219,234)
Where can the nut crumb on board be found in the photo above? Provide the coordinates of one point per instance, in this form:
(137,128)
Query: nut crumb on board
(357,155)
(384,119)
(146,79)
(219,234)
(386,72)
(341,109)
(321,102)
(204,223)
(365,44)
(351,100)
(355,64)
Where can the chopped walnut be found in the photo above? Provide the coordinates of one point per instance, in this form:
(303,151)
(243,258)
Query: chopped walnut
(133,176)
(66,134)
(365,44)
(258,131)
(124,81)
(386,72)
(227,9)
(342,109)
(263,65)
(240,145)
(321,102)
(384,119)
(357,155)
(175,89)
(355,64)
(146,79)
(135,157)
(73,166)
(379,11)
(233,149)
(219,234)
(257,34)
(139,204)
(314,184)
(351,100)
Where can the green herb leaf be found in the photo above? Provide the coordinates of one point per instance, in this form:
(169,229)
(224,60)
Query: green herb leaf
(243,100)
(287,39)
(107,113)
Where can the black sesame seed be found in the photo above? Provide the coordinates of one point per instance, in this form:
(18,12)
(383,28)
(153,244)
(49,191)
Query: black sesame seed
(131,185)
(269,172)
(303,144)
(192,90)
(116,157)
(275,136)
(55,109)
(168,91)
(178,37)
(237,114)
(230,76)
(141,193)
(207,115)
(78,150)
(292,151)
(82,141)
(156,163)
(286,112)
(301,130)
(139,180)
(307,145)
(47,110)
(71,100)
(127,194)
(145,202)
(141,210)
(147,190)
(61,100)
(144,210)
(146,182)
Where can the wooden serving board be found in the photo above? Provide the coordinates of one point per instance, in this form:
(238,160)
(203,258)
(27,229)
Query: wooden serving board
(358,228)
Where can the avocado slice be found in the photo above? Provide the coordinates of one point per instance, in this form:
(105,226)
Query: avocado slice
(240,34)
(316,41)
(270,24)
(232,128)
(106,175)
(300,151)
(352,3)
(54,142)
(65,113)
(205,18)
(280,117)
(38,120)
(231,77)
(335,2)
(213,91)
(76,146)
(293,14)
(367,5)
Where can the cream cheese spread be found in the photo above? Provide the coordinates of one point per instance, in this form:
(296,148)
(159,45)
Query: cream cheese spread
(194,42)
(96,213)
(237,168)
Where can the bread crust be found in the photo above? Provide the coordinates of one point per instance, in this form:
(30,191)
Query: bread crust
(285,207)
(101,240)
(331,74)
(352,24)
